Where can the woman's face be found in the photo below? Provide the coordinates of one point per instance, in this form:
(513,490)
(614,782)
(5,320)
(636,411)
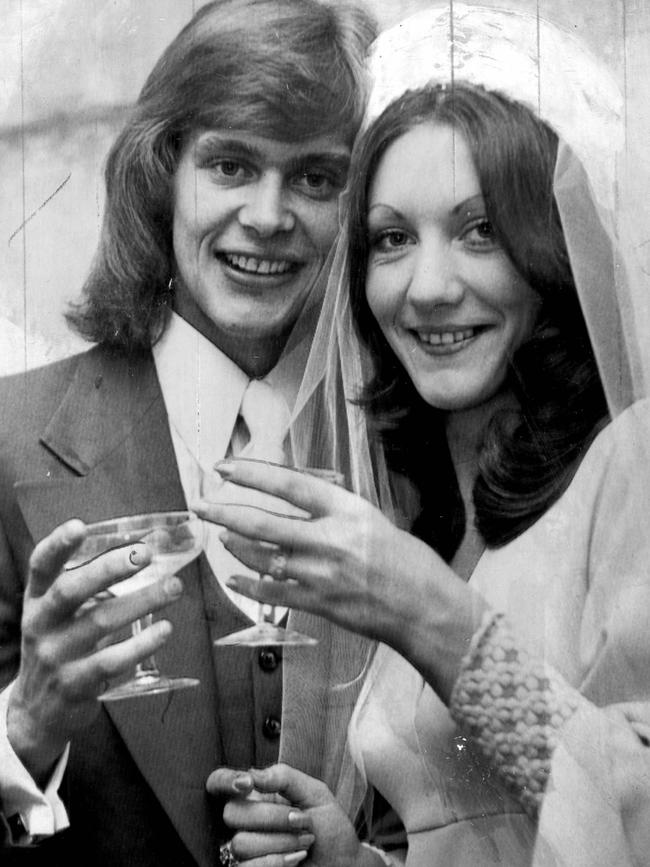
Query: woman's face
(446,296)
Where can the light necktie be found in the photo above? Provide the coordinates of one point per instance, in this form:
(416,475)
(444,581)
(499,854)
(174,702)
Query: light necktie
(266,417)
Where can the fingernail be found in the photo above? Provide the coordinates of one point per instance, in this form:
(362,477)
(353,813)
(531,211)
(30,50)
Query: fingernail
(294,858)
(243,783)
(298,820)
(164,628)
(173,587)
(232,583)
(224,468)
(138,556)
(306,840)
(223,537)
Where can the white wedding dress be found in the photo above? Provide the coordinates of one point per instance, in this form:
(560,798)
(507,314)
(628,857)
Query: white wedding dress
(576,589)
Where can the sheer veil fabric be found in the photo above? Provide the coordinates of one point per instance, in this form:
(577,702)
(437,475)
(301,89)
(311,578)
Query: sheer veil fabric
(539,63)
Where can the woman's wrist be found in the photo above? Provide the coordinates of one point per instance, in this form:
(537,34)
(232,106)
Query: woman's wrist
(438,618)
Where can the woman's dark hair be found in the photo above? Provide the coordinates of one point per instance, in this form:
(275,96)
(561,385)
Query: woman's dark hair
(528,456)
(286,69)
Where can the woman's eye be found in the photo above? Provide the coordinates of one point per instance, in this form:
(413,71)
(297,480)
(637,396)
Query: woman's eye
(390,240)
(481,235)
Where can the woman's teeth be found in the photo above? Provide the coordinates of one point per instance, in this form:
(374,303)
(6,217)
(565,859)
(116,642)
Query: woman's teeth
(251,265)
(446,338)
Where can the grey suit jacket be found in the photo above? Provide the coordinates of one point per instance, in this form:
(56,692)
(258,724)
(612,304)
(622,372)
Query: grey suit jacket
(89,437)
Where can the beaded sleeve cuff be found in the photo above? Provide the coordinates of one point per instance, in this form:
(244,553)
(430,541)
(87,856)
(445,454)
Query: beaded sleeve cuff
(512,706)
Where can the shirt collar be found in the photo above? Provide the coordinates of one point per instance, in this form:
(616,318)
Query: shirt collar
(203,389)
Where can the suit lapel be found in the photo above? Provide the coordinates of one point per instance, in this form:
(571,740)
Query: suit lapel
(111,430)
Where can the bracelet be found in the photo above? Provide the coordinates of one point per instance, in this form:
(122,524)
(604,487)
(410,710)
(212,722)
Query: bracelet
(512,706)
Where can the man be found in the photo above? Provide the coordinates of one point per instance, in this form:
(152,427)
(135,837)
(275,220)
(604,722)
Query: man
(222,205)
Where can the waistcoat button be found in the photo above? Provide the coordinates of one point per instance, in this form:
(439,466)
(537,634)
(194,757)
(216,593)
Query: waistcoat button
(268,659)
(271,728)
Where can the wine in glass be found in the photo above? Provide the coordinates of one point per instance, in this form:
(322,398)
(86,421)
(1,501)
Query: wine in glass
(266,632)
(174,539)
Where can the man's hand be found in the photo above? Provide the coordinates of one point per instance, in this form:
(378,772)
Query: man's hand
(66,652)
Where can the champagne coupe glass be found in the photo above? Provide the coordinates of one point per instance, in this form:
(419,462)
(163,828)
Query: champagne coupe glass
(266,632)
(174,539)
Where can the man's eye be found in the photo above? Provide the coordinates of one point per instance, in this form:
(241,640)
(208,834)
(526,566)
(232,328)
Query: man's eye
(227,169)
(317,184)
(230,168)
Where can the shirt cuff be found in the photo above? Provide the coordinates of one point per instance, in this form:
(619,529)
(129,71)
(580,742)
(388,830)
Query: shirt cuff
(25,807)
(385,857)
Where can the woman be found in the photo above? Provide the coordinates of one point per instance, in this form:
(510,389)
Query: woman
(465,290)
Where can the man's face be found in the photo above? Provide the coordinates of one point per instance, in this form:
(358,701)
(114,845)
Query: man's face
(254,219)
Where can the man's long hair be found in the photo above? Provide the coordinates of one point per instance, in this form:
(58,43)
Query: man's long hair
(286,69)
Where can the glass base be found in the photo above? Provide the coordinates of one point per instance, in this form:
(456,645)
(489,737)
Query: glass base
(263,635)
(147,684)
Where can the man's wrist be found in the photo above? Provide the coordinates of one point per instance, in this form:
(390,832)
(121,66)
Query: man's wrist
(38,756)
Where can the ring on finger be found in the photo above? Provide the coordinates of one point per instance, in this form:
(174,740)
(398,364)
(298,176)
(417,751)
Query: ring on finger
(277,566)
(226,857)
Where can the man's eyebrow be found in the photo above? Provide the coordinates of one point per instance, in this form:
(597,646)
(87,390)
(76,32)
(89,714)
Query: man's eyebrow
(333,160)
(208,144)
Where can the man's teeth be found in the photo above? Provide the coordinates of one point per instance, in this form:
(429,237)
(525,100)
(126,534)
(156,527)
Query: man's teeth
(446,338)
(258,266)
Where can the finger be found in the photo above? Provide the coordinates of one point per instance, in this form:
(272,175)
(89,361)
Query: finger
(248,846)
(258,524)
(289,860)
(265,816)
(228,782)
(73,587)
(287,594)
(298,788)
(263,557)
(315,495)
(51,553)
(97,621)
(87,677)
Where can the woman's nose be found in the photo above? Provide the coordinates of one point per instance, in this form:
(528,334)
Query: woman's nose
(435,279)
(266,210)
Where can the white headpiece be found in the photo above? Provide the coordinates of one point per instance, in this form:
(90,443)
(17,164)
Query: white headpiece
(518,54)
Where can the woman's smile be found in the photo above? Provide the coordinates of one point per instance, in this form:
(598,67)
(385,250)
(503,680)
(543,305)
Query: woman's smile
(447,341)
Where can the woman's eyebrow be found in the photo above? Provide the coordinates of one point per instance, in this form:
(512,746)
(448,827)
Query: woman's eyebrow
(469,205)
(393,212)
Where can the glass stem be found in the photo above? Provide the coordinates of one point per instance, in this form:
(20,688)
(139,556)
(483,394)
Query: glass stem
(266,613)
(146,667)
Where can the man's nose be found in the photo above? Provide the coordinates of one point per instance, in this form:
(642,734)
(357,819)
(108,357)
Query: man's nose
(435,279)
(267,209)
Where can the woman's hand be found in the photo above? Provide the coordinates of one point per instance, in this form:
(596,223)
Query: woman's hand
(349,564)
(282,817)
